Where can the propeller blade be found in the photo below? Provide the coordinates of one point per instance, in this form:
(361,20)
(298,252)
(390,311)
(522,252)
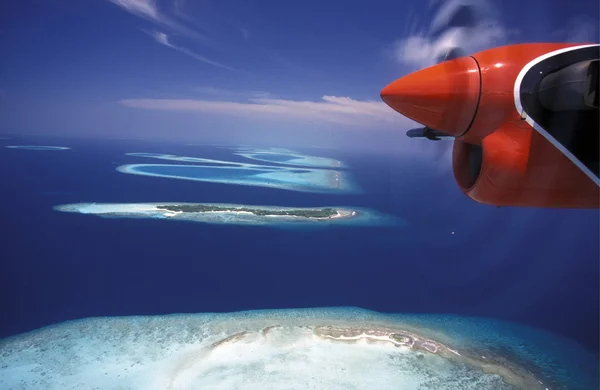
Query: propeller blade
(451,15)
(454,34)
(430,134)
(451,54)
(450,25)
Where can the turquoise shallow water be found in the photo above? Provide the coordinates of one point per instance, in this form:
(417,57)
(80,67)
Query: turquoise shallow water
(563,361)
(149,351)
(254,158)
(200,172)
(274,157)
(293,159)
(295,179)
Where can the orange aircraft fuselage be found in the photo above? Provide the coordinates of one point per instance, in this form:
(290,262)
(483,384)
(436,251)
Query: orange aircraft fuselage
(499,155)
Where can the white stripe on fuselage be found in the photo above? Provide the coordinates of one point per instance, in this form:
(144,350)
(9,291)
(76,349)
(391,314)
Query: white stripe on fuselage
(536,126)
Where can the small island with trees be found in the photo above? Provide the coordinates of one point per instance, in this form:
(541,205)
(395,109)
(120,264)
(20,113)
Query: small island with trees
(222,213)
(318,213)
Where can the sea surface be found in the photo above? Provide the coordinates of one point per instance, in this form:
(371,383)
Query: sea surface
(450,256)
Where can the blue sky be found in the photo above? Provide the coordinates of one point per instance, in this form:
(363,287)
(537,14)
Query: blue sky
(266,71)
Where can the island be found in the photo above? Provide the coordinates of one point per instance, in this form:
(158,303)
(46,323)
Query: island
(323,213)
(318,348)
(221,213)
(37,147)
(490,363)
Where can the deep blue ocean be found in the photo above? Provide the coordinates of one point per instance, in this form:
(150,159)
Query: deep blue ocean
(530,266)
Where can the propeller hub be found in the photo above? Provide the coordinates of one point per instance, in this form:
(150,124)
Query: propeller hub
(443,97)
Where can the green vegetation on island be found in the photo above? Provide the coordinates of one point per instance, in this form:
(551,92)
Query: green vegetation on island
(200,208)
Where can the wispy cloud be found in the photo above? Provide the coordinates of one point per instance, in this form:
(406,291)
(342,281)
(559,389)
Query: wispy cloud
(163,39)
(149,10)
(178,5)
(578,30)
(142,8)
(229,94)
(207,27)
(330,109)
(424,45)
(245,34)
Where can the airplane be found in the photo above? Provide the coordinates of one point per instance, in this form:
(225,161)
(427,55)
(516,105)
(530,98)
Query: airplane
(524,120)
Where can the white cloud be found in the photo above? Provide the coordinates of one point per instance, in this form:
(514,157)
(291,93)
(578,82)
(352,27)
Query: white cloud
(148,9)
(425,44)
(141,8)
(163,39)
(423,47)
(330,109)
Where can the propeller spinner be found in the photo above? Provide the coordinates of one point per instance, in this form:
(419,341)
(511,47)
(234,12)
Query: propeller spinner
(443,97)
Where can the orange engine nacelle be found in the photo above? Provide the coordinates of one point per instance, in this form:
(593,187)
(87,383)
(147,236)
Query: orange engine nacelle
(498,158)
(524,170)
